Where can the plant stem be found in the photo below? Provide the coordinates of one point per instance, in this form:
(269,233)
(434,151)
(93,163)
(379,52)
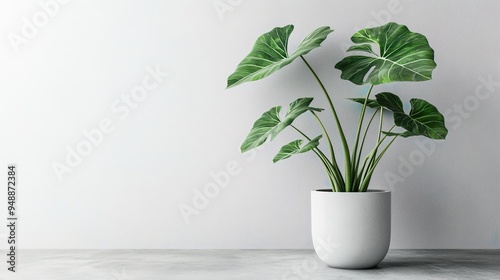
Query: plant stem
(333,173)
(364,187)
(374,152)
(373,160)
(332,152)
(334,179)
(364,135)
(348,175)
(355,163)
(358,178)
(381,123)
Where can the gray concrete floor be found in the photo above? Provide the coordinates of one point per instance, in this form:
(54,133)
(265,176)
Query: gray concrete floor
(244,264)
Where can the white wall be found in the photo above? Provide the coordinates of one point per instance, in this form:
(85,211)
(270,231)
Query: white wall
(65,77)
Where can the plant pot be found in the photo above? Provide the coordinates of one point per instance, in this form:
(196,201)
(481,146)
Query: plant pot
(351,229)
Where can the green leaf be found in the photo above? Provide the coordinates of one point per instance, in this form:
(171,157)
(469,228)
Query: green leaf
(270,124)
(295,109)
(270,54)
(403,56)
(316,109)
(404,134)
(261,129)
(424,118)
(390,101)
(372,103)
(293,148)
(362,47)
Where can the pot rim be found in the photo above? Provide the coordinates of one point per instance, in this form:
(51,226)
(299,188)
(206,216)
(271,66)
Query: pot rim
(368,191)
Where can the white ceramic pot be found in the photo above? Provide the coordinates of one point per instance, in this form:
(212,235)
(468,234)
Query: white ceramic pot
(351,230)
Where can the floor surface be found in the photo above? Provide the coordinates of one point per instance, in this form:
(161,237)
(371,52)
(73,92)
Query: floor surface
(244,264)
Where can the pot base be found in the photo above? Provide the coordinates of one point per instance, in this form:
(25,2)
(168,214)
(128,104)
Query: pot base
(351,230)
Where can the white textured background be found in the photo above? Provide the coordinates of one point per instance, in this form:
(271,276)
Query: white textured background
(127,192)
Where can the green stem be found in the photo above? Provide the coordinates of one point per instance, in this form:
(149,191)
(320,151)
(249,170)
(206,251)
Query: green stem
(334,180)
(373,160)
(370,172)
(337,183)
(329,171)
(364,135)
(358,133)
(332,152)
(358,178)
(374,152)
(385,136)
(370,158)
(362,172)
(348,175)
(380,124)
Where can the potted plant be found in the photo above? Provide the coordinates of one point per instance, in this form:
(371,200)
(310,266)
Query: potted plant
(350,224)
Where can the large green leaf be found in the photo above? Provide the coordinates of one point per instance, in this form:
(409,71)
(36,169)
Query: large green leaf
(295,109)
(404,134)
(294,147)
(270,124)
(372,103)
(270,53)
(403,56)
(390,101)
(424,118)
